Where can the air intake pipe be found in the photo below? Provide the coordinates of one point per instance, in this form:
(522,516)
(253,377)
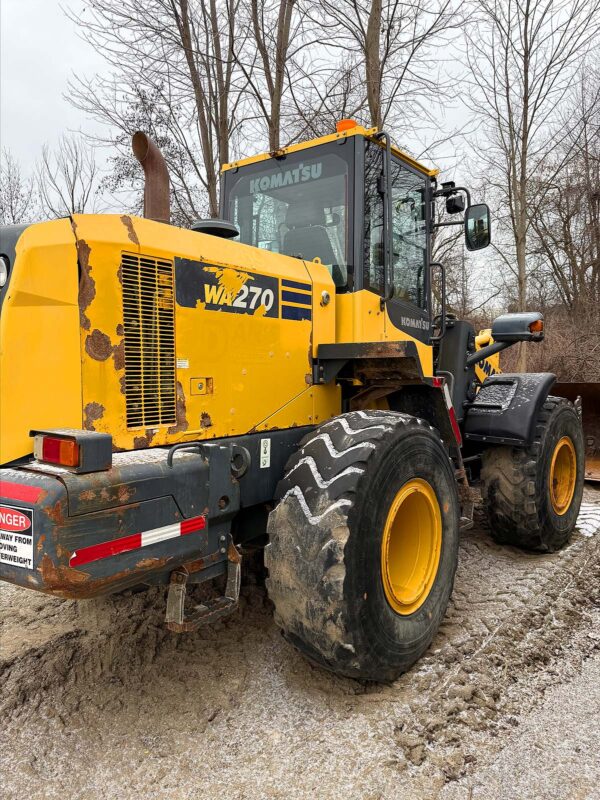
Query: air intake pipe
(156,178)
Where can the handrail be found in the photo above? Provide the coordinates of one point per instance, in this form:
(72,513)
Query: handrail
(388,280)
(440,336)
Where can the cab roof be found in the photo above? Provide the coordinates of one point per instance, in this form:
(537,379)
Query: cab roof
(358,130)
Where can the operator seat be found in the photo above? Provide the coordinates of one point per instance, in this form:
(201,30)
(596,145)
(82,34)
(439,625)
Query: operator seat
(307,237)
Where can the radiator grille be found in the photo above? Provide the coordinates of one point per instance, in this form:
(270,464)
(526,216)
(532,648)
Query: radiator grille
(148,321)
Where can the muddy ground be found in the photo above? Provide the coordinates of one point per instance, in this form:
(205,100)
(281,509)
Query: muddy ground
(100,701)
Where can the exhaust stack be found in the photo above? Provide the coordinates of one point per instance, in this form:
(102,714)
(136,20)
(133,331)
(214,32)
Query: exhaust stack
(156,175)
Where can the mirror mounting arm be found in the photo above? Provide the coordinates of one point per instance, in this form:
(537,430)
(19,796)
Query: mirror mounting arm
(446,224)
(453,190)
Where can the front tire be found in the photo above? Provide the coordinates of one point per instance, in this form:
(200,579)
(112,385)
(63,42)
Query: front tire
(363,545)
(532,495)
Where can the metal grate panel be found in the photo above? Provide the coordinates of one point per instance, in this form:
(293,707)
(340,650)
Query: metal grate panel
(149,325)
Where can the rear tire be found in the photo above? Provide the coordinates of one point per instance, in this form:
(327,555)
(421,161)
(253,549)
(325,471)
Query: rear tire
(532,495)
(365,495)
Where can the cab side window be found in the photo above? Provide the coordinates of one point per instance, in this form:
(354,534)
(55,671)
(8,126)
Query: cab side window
(409,237)
(373,277)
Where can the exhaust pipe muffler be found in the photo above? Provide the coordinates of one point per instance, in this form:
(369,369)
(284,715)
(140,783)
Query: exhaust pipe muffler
(156,178)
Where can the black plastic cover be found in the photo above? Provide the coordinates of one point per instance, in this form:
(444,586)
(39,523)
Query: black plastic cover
(216,227)
(515,327)
(506,408)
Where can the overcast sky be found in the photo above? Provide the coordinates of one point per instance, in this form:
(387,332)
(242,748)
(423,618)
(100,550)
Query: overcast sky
(40,49)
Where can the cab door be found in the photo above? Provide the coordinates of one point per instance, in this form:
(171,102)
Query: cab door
(408,307)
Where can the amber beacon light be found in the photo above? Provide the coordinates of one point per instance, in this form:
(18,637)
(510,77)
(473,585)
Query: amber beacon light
(345,125)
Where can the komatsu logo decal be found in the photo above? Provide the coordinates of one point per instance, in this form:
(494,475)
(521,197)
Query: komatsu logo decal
(225,289)
(287,177)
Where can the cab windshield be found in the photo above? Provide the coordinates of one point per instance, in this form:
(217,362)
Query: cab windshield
(296,205)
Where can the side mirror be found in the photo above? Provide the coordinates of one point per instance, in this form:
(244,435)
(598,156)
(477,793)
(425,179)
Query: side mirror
(525,326)
(477,227)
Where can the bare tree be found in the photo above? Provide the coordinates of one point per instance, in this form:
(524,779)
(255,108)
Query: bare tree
(275,36)
(67,178)
(522,56)
(399,44)
(18,201)
(179,53)
(565,232)
(325,93)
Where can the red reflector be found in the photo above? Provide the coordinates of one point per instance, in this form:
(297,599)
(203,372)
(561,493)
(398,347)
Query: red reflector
(60,451)
(20,491)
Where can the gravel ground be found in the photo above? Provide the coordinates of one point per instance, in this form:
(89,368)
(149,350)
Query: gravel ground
(99,700)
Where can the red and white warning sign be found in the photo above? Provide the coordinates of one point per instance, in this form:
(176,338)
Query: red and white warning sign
(16,536)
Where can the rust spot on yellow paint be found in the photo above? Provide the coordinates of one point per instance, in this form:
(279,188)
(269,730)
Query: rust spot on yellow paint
(205,420)
(98,346)
(118,353)
(91,413)
(87,285)
(182,424)
(128,222)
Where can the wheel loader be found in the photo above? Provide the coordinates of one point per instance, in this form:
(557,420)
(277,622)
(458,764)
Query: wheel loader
(281,377)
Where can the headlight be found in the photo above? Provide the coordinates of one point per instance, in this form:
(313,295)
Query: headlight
(3,271)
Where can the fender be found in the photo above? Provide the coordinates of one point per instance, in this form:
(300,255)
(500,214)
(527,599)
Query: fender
(506,408)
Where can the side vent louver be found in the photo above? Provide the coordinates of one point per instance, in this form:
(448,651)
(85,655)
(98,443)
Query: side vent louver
(148,317)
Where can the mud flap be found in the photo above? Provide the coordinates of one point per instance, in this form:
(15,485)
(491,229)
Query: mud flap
(210,611)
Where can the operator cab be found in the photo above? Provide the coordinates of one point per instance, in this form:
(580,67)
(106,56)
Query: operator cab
(331,201)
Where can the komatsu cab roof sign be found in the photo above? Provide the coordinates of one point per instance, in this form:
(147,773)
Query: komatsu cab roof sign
(16,536)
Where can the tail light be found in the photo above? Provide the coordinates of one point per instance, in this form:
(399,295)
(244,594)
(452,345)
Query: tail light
(77,451)
(54,450)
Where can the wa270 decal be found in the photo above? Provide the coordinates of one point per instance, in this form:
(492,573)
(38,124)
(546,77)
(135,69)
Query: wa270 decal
(239,292)
(225,289)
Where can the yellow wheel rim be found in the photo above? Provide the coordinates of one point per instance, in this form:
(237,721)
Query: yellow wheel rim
(563,475)
(410,547)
